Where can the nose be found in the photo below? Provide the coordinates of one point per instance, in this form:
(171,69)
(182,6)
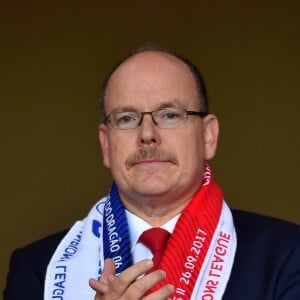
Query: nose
(148,132)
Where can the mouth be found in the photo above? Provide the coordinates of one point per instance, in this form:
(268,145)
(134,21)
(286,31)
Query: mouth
(151,160)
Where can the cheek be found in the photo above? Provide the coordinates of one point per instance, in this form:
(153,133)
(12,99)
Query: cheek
(191,146)
(192,156)
(119,152)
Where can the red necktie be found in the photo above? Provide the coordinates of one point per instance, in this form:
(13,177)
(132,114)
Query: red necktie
(156,240)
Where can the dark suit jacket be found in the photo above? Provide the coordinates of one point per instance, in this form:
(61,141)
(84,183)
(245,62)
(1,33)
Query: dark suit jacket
(267,262)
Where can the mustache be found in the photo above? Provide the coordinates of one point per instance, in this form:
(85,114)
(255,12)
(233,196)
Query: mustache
(150,152)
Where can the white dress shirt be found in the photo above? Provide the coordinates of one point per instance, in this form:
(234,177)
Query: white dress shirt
(136,227)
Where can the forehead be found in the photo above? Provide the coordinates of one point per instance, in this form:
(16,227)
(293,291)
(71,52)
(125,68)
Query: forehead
(148,79)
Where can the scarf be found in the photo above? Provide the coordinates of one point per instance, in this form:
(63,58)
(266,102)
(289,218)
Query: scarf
(198,258)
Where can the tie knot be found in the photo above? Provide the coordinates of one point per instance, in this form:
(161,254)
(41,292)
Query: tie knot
(155,239)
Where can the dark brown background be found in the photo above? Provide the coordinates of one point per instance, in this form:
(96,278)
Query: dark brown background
(54,55)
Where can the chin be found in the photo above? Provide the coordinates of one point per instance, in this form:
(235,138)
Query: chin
(152,187)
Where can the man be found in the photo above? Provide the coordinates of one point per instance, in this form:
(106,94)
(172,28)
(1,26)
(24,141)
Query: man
(156,138)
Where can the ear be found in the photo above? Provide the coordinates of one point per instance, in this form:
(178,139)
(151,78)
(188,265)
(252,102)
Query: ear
(211,133)
(103,139)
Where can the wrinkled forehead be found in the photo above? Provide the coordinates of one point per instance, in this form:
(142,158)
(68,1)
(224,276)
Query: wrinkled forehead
(150,75)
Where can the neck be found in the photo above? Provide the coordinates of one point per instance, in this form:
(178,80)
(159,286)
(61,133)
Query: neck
(155,211)
(158,208)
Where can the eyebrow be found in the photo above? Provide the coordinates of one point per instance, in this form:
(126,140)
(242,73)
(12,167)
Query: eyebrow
(167,104)
(131,108)
(124,108)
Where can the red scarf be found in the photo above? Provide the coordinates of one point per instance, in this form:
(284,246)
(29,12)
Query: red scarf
(190,241)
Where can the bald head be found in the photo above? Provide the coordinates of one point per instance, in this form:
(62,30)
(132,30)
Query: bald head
(151,56)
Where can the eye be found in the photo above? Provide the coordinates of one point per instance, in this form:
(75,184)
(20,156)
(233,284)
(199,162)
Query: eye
(170,114)
(125,117)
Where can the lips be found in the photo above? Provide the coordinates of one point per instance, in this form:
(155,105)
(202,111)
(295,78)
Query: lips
(151,160)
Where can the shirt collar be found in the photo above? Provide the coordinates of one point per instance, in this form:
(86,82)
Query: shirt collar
(137,226)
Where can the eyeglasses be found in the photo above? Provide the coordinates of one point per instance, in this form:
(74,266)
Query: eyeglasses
(168,117)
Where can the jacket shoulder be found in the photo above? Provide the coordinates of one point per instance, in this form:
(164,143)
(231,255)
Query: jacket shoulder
(27,269)
(40,252)
(267,260)
(249,223)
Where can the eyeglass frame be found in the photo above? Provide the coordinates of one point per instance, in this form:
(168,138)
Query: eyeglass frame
(106,121)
